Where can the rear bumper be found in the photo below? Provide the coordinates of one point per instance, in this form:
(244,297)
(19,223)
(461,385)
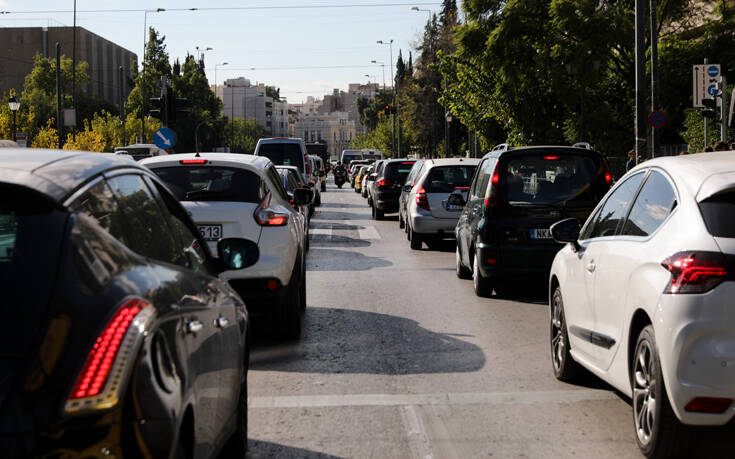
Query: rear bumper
(516,259)
(387,201)
(258,296)
(428,225)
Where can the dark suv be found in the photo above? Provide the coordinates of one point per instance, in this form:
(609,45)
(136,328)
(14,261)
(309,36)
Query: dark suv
(388,186)
(515,196)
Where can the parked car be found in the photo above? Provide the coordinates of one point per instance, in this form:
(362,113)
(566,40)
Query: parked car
(403,198)
(387,186)
(429,215)
(515,196)
(120,337)
(237,195)
(284,151)
(641,297)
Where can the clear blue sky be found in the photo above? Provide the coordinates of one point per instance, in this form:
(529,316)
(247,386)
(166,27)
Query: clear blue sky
(267,40)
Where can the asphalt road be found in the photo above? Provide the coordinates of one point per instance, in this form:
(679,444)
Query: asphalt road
(399,358)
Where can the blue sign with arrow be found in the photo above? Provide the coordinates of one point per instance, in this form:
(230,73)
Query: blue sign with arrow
(713,71)
(164,138)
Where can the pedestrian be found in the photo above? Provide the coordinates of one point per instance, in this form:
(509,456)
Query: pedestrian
(631,161)
(720,146)
(683,152)
(708,149)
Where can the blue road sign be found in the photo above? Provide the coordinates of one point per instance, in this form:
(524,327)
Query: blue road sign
(713,71)
(164,138)
(657,119)
(712,90)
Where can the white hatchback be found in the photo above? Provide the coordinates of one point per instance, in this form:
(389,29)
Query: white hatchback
(642,296)
(235,195)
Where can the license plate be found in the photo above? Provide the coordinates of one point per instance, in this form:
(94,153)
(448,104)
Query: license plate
(454,208)
(540,234)
(210,232)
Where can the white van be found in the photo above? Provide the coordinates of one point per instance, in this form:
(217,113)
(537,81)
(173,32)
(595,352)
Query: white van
(350,155)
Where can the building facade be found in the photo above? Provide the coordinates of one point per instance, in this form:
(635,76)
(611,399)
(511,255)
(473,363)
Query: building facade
(346,101)
(241,99)
(336,129)
(19,46)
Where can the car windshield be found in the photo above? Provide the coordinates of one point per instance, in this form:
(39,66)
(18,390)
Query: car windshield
(397,171)
(208,183)
(552,177)
(445,179)
(283,153)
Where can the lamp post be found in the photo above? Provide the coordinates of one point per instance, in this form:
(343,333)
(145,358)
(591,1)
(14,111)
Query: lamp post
(142,84)
(14,106)
(200,54)
(395,91)
(215,75)
(382,64)
(374,77)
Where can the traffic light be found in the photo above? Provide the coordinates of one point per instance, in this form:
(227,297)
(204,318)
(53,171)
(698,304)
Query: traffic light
(388,110)
(158,108)
(180,109)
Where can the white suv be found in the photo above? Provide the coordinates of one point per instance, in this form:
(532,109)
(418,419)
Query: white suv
(642,296)
(234,195)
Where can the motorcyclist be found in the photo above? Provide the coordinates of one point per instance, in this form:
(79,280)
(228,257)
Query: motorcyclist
(338,168)
(340,174)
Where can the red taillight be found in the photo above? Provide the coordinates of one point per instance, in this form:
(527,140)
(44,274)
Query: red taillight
(421,199)
(492,201)
(408,162)
(709,405)
(551,157)
(461,188)
(266,216)
(695,272)
(193,161)
(608,178)
(102,358)
(272,285)
(496,177)
(383,183)
(308,166)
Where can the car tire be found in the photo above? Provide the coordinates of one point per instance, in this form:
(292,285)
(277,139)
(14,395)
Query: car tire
(303,287)
(416,240)
(401,222)
(462,271)
(482,285)
(339,186)
(318,201)
(289,316)
(369,201)
(565,367)
(324,186)
(237,444)
(659,433)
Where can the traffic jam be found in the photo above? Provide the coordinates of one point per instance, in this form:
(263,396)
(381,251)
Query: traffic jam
(136,287)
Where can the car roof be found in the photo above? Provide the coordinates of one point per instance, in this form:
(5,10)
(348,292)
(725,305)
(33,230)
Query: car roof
(395,160)
(280,140)
(530,148)
(57,173)
(230,159)
(692,170)
(453,161)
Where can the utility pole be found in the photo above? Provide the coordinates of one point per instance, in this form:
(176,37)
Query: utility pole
(706,123)
(74,70)
(59,124)
(654,74)
(723,107)
(640,78)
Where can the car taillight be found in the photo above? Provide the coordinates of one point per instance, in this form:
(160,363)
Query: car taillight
(98,384)
(695,272)
(492,200)
(383,183)
(193,161)
(711,405)
(421,199)
(308,166)
(265,216)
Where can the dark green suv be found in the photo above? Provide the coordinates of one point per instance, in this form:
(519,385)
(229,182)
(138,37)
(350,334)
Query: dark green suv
(515,196)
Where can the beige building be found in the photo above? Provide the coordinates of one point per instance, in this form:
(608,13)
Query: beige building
(335,128)
(346,101)
(241,99)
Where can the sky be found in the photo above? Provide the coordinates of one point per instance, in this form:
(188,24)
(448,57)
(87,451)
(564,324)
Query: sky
(305,51)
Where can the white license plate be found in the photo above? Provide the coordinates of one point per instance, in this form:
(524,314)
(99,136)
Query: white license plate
(540,234)
(454,208)
(210,232)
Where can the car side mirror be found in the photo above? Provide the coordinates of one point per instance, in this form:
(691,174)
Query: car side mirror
(302,196)
(566,231)
(310,184)
(237,253)
(371,177)
(407,188)
(456,199)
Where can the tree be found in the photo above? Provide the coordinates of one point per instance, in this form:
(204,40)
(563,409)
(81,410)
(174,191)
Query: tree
(148,80)
(273,92)
(400,69)
(245,135)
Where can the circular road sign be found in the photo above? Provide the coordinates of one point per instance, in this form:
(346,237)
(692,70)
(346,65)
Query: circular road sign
(657,119)
(164,138)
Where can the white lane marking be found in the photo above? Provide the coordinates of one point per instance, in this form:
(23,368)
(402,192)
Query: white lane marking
(418,441)
(471,398)
(369,232)
(321,232)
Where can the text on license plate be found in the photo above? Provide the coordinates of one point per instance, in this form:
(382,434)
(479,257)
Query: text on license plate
(541,234)
(453,207)
(210,232)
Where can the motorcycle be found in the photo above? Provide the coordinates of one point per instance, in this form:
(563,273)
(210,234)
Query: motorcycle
(340,177)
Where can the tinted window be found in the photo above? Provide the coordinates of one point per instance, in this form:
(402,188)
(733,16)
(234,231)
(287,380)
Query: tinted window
(286,154)
(483,178)
(99,203)
(606,220)
(397,171)
(553,177)
(718,213)
(446,179)
(209,183)
(654,203)
(414,171)
(145,227)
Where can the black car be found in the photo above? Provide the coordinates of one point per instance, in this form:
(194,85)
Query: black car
(118,336)
(515,196)
(388,185)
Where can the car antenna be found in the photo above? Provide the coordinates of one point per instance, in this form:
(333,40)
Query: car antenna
(197,155)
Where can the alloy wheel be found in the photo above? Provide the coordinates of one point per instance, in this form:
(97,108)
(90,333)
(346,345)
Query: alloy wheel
(558,341)
(644,393)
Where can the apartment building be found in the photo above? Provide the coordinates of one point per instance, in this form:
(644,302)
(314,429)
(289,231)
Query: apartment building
(241,99)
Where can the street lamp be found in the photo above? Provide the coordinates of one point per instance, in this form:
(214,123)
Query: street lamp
(374,77)
(382,64)
(215,75)
(14,106)
(200,54)
(142,85)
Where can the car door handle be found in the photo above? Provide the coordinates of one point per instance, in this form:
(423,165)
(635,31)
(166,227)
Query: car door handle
(221,322)
(194,326)
(591,266)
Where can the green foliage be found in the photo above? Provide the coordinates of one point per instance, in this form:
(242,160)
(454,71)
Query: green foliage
(244,134)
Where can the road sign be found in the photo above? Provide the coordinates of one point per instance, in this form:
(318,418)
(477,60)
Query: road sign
(657,119)
(704,83)
(164,138)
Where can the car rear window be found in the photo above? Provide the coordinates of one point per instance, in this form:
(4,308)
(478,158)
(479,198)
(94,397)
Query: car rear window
(397,171)
(718,213)
(553,177)
(211,183)
(445,179)
(283,154)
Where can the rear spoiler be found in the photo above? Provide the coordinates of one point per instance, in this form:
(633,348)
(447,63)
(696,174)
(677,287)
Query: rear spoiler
(716,184)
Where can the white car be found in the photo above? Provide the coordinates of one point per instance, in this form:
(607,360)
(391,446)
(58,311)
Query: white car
(642,296)
(242,196)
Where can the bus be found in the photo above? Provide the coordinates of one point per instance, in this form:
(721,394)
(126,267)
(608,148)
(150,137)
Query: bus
(368,153)
(350,155)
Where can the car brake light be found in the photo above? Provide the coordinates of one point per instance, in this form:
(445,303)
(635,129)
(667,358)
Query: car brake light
(711,405)
(421,199)
(383,183)
(695,272)
(408,162)
(308,166)
(265,216)
(104,368)
(551,157)
(193,161)
(492,201)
